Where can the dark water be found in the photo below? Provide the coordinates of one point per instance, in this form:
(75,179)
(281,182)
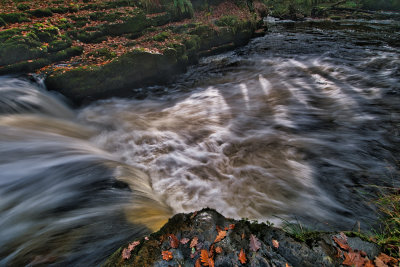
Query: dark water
(302,124)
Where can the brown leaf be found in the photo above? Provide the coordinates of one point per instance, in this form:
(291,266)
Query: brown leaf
(205,259)
(126,254)
(369,263)
(218,250)
(231,226)
(219,229)
(167,255)
(243,236)
(197,264)
(387,259)
(275,243)
(353,259)
(184,240)
(194,242)
(193,215)
(379,262)
(211,251)
(242,257)
(173,241)
(221,235)
(341,242)
(255,244)
(133,245)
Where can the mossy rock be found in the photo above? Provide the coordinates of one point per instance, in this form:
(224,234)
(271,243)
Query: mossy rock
(59,10)
(41,12)
(2,22)
(133,69)
(134,24)
(23,7)
(14,17)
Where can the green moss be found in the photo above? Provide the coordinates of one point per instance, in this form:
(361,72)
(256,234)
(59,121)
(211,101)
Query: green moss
(230,21)
(58,45)
(23,7)
(59,10)
(134,25)
(14,17)
(2,22)
(41,12)
(104,53)
(161,36)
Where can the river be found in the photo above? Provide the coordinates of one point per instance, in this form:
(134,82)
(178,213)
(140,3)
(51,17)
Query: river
(301,125)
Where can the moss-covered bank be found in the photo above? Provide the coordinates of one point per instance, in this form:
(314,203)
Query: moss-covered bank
(93,49)
(186,237)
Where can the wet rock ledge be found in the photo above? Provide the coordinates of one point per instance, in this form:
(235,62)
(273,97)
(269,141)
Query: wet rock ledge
(206,238)
(96,49)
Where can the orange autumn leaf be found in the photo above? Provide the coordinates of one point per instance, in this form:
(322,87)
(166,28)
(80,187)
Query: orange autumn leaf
(379,262)
(167,255)
(341,242)
(219,229)
(231,226)
(173,241)
(353,259)
(287,265)
(206,259)
(221,235)
(387,259)
(242,257)
(275,243)
(369,263)
(194,242)
(197,264)
(218,250)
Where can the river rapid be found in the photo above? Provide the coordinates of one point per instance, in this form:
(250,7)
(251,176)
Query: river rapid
(302,124)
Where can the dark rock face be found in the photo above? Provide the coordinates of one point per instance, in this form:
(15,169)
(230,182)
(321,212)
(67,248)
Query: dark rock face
(318,249)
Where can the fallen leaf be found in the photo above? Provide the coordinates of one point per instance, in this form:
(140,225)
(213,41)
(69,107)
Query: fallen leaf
(287,265)
(219,229)
(193,215)
(387,259)
(167,255)
(243,236)
(353,259)
(197,264)
(242,257)
(369,263)
(126,254)
(211,251)
(275,243)
(194,242)
(341,242)
(205,259)
(255,244)
(133,245)
(231,226)
(343,236)
(221,235)
(218,250)
(379,262)
(184,240)
(173,241)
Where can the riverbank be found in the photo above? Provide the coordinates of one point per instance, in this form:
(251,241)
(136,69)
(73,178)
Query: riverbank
(206,238)
(95,49)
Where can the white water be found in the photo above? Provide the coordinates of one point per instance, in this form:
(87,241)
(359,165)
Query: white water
(300,125)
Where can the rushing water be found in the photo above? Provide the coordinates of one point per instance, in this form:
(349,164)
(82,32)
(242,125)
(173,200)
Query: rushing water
(300,124)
